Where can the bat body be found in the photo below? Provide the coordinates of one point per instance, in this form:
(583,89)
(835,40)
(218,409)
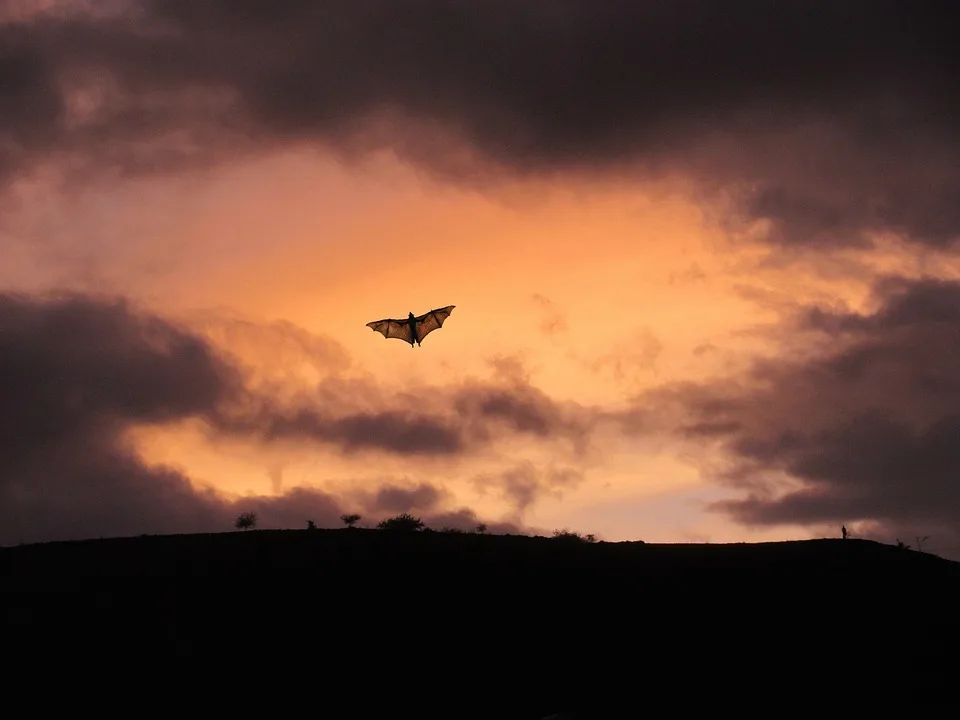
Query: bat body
(412,329)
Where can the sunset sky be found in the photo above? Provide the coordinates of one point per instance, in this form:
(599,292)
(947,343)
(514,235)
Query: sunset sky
(703,257)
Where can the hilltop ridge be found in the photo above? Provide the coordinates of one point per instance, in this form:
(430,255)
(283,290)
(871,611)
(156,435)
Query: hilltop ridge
(527,625)
(292,550)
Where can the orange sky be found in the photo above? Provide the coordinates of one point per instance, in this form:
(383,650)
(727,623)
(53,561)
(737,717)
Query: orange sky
(600,292)
(704,280)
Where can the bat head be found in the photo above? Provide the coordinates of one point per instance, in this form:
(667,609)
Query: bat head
(411,316)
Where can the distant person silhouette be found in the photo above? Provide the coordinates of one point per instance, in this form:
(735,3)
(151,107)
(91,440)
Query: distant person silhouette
(843,529)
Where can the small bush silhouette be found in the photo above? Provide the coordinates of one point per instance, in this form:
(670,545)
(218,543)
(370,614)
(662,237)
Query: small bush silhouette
(570,536)
(451,530)
(404,522)
(311,525)
(246,521)
(482,529)
(350,520)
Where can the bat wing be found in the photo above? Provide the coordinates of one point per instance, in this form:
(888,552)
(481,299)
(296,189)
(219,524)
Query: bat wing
(392,329)
(428,322)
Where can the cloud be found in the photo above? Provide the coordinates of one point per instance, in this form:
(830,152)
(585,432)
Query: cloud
(513,407)
(275,473)
(523,483)
(467,520)
(825,121)
(73,365)
(861,429)
(392,499)
(74,375)
(291,509)
(78,373)
(354,415)
(429,503)
(114,364)
(390,431)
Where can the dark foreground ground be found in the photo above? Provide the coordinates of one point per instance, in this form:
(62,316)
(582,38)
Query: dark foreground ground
(369,624)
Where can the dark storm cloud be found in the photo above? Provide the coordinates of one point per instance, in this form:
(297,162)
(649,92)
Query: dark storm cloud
(826,119)
(868,427)
(73,365)
(30,103)
(77,373)
(900,303)
(399,432)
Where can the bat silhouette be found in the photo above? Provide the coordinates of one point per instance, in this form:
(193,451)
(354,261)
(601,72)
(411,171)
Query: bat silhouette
(412,329)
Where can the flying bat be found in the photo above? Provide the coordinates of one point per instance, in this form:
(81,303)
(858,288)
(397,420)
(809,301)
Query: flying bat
(412,329)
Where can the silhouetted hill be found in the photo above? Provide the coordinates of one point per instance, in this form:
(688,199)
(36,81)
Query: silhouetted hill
(449,625)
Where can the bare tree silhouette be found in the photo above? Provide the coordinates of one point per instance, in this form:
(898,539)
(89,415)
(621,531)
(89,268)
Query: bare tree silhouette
(246,521)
